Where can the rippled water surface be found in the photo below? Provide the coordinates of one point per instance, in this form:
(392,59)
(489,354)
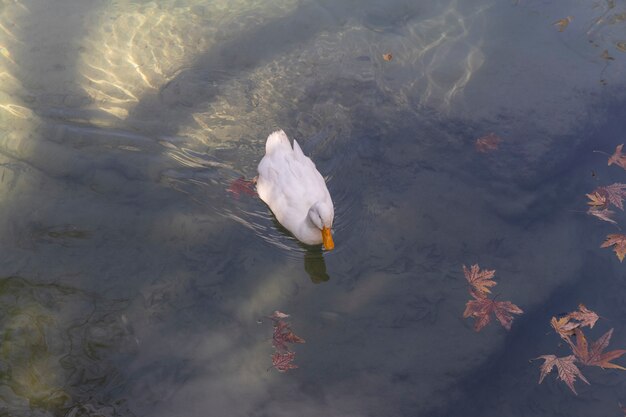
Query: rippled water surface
(133,282)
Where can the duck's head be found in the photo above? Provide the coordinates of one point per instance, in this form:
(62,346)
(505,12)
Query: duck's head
(321,215)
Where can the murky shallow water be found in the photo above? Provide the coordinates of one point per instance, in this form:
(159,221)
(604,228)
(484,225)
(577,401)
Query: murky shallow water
(133,281)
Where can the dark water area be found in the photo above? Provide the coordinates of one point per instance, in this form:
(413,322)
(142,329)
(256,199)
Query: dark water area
(136,281)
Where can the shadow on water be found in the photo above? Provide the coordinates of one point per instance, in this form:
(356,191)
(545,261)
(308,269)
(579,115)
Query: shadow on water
(56,338)
(314,263)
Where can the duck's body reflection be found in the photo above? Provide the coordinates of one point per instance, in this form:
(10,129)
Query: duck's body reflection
(314,263)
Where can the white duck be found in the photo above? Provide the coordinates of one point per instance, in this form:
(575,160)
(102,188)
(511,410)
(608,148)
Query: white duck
(295,191)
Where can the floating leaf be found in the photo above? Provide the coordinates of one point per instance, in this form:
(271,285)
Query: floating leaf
(613,194)
(281,336)
(562,23)
(605,214)
(242,185)
(621,45)
(584,316)
(564,326)
(619,244)
(597,201)
(387,57)
(487,143)
(567,370)
(617,157)
(282,361)
(596,355)
(278,315)
(481,309)
(479,280)
(606,56)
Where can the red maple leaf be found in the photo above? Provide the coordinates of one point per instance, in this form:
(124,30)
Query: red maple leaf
(479,280)
(282,335)
(567,370)
(617,157)
(596,355)
(282,361)
(487,143)
(241,185)
(481,309)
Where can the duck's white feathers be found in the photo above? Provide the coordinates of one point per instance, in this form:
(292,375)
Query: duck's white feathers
(289,183)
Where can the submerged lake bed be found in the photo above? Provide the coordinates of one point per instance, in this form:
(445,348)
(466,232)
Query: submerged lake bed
(139,277)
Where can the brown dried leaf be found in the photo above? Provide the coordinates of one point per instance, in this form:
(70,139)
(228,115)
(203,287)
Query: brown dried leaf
(617,157)
(613,194)
(597,201)
(563,326)
(567,370)
(604,214)
(595,356)
(487,143)
(566,325)
(387,57)
(585,316)
(481,309)
(562,23)
(479,280)
(619,244)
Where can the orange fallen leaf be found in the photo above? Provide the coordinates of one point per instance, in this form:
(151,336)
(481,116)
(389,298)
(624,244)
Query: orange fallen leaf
(562,23)
(596,355)
(487,143)
(567,370)
(387,57)
(597,200)
(619,244)
(618,157)
(479,280)
(481,309)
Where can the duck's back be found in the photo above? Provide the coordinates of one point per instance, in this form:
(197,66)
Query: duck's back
(288,181)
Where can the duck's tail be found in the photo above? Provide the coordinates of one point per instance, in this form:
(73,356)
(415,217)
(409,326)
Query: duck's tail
(277,140)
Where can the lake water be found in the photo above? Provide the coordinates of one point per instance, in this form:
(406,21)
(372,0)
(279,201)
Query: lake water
(133,283)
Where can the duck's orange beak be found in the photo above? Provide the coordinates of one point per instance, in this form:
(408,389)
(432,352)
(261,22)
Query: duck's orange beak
(327,239)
